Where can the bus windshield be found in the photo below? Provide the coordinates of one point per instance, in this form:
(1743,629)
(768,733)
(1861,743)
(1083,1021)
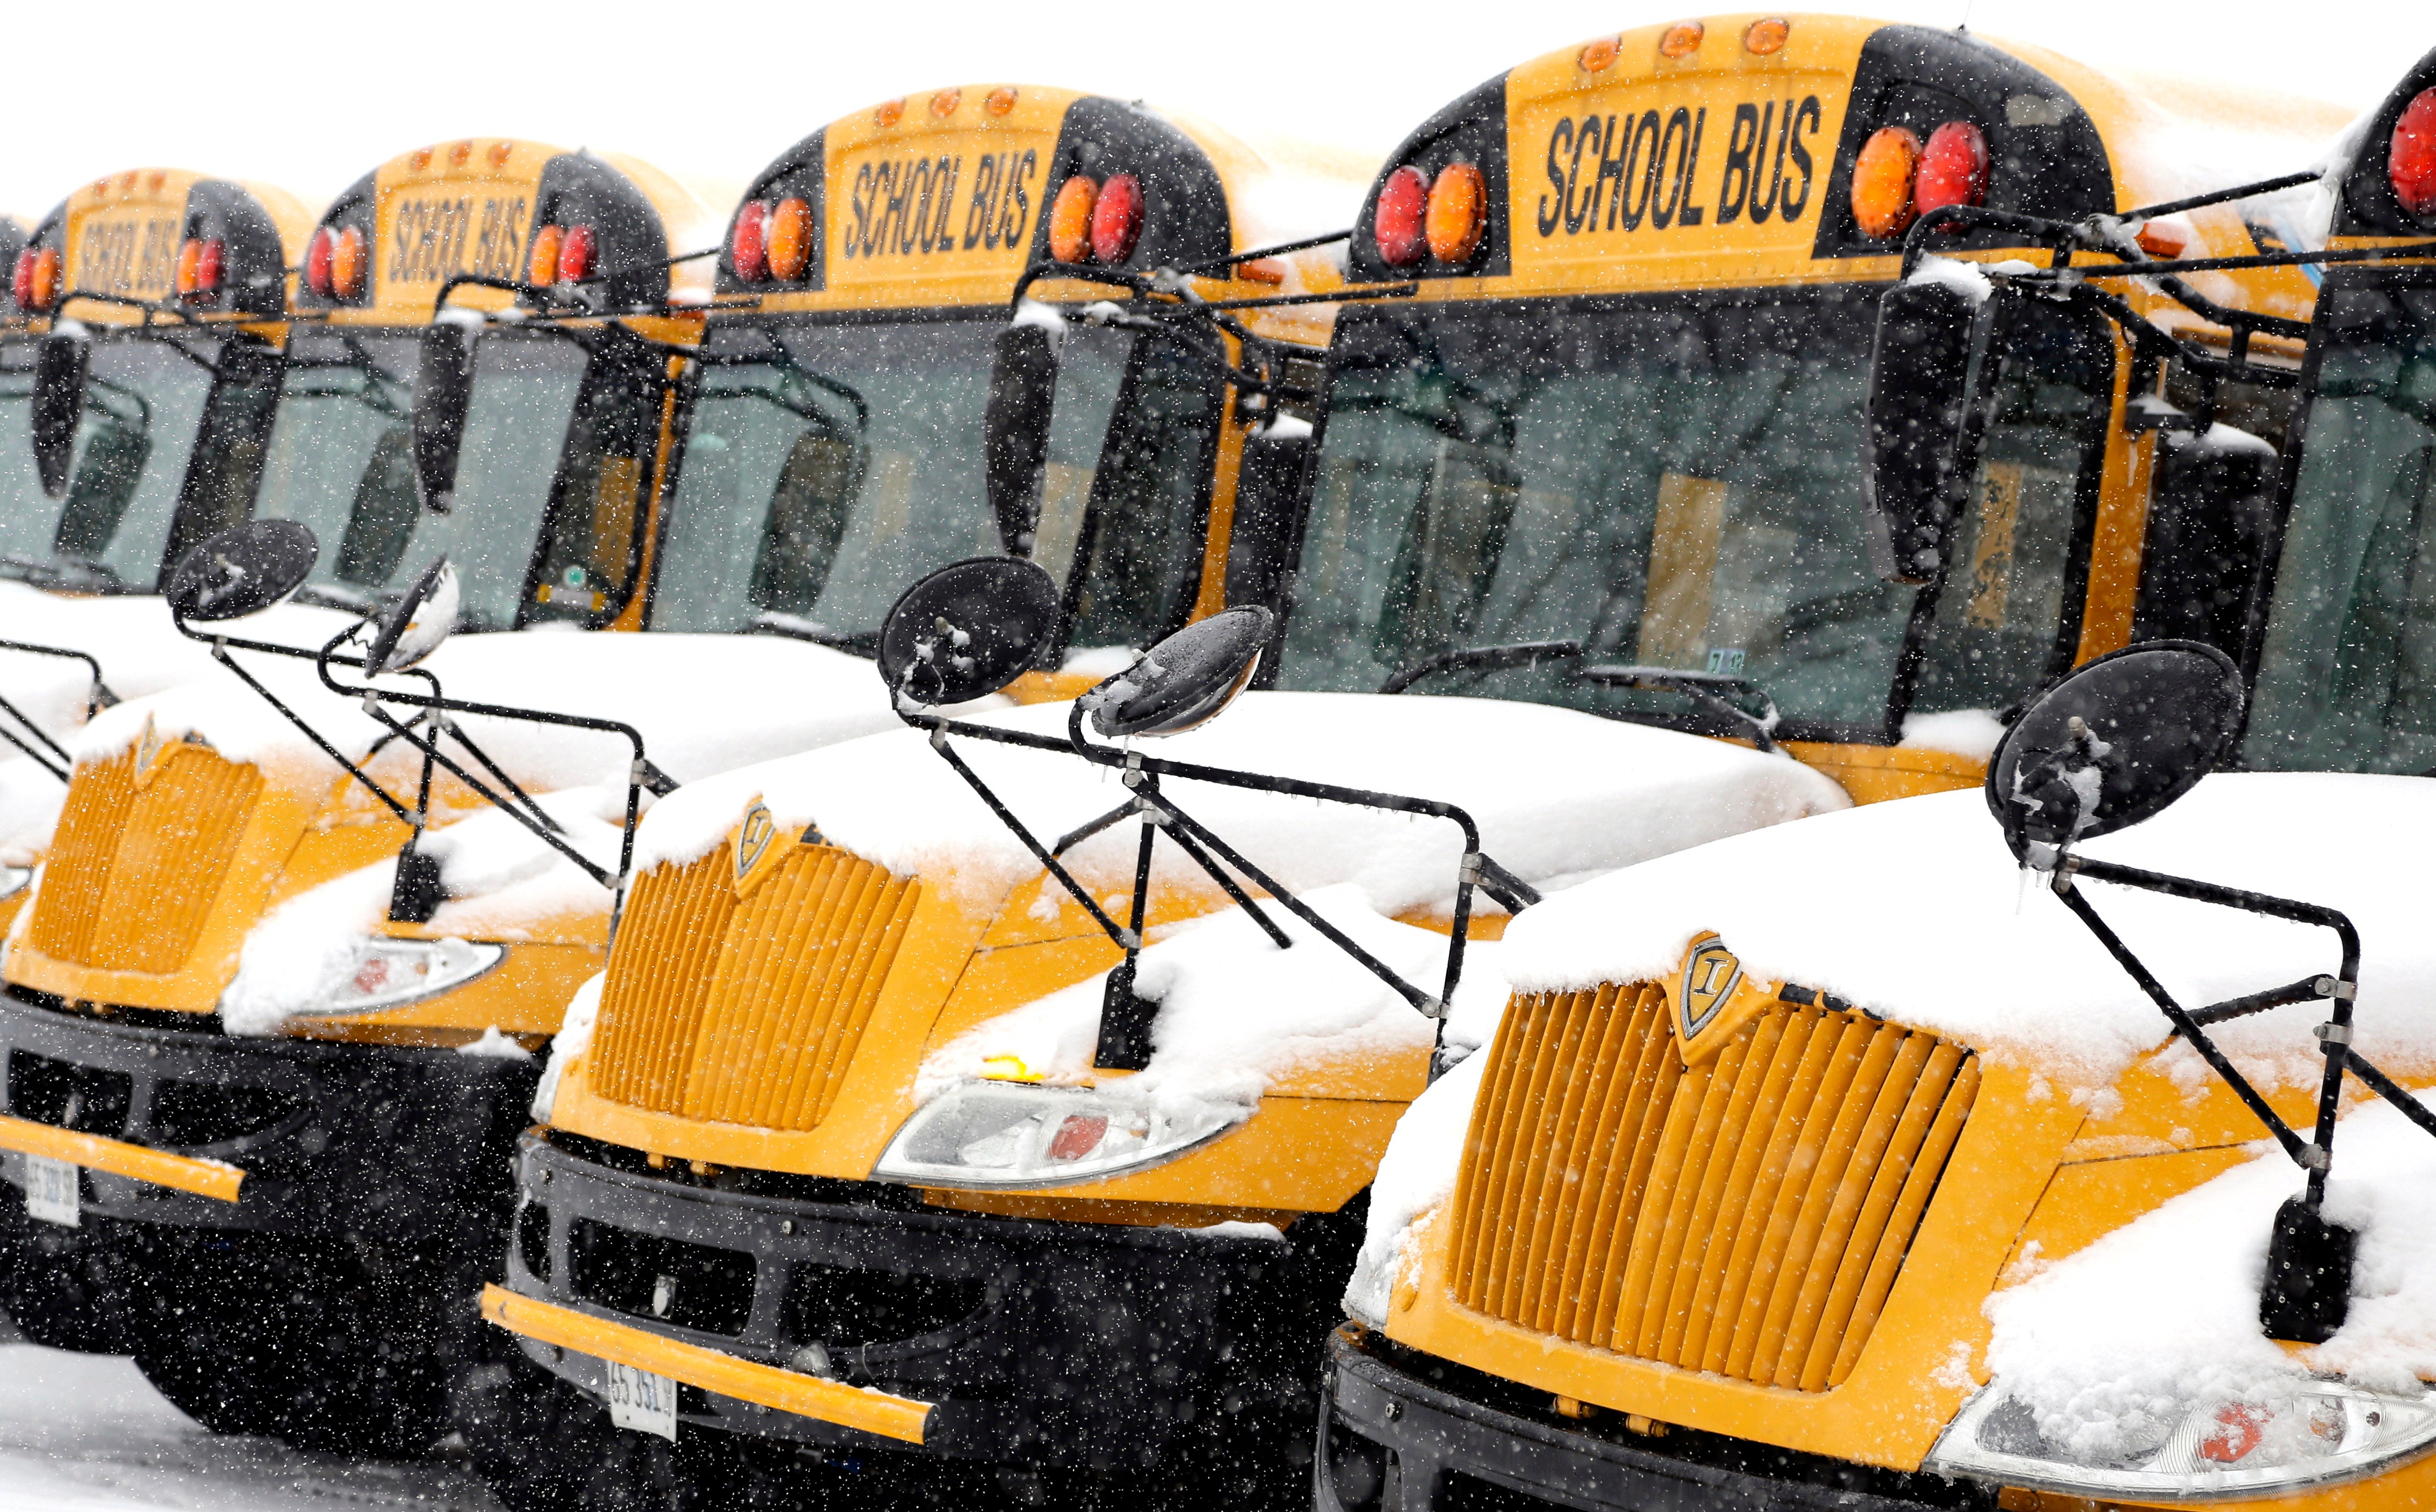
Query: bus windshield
(341,463)
(1673,483)
(526,390)
(831,462)
(145,404)
(2347,672)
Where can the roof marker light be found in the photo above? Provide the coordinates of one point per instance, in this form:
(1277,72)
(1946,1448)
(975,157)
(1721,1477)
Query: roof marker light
(943,104)
(1399,218)
(317,262)
(1596,56)
(419,159)
(2410,162)
(500,153)
(541,267)
(1766,35)
(460,153)
(1117,219)
(349,262)
(889,114)
(1953,169)
(1070,218)
(748,245)
(1681,40)
(789,239)
(1882,182)
(576,254)
(1000,100)
(1458,213)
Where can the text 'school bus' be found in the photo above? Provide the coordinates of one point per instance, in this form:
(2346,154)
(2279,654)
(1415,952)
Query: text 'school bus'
(347,1166)
(1844,1166)
(1595,461)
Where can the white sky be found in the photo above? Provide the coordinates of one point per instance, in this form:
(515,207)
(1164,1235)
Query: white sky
(280,94)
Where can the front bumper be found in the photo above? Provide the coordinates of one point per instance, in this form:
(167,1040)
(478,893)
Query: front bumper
(1062,1345)
(405,1147)
(1401,1431)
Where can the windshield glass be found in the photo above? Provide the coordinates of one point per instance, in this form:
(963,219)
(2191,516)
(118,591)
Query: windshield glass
(831,463)
(2347,674)
(143,403)
(1674,483)
(341,463)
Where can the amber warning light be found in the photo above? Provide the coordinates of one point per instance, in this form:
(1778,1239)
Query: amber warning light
(1445,216)
(335,264)
(1897,178)
(771,240)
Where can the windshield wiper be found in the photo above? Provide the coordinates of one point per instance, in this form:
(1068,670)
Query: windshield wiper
(330,596)
(1484,658)
(69,575)
(858,642)
(1709,688)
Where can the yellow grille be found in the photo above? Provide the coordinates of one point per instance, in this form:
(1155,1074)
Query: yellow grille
(747,1011)
(134,866)
(1745,1216)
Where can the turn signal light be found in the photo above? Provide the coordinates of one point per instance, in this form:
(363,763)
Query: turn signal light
(543,266)
(1882,182)
(576,254)
(199,267)
(349,263)
(788,239)
(747,249)
(1458,213)
(1117,219)
(317,262)
(2410,165)
(1069,219)
(1399,219)
(1953,169)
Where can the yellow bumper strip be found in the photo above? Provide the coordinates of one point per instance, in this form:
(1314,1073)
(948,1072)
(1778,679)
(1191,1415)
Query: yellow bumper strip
(204,1178)
(829,1402)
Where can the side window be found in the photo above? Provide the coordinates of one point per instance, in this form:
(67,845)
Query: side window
(2008,611)
(1138,562)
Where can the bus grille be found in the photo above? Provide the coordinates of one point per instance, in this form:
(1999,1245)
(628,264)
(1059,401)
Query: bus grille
(747,1011)
(1745,1216)
(135,865)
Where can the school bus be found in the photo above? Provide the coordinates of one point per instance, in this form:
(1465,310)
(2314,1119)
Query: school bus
(170,852)
(1594,452)
(1723,1238)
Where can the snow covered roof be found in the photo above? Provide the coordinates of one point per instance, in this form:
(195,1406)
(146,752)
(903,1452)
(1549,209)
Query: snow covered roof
(1915,910)
(1558,795)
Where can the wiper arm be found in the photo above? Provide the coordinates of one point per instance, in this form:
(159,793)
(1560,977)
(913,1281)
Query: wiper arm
(1709,688)
(1485,658)
(858,642)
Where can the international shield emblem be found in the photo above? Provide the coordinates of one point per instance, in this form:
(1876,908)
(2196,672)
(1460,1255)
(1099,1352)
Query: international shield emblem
(1713,998)
(753,838)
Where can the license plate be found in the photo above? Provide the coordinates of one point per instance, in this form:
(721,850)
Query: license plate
(51,1190)
(642,1402)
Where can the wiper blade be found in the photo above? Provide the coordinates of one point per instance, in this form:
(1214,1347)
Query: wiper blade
(858,642)
(71,575)
(1710,688)
(1484,658)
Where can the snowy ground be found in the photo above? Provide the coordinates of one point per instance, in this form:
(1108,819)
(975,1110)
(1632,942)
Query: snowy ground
(85,1433)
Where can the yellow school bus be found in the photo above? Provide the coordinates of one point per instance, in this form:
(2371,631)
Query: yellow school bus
(1594,452)
(169,852)
(1720,1237)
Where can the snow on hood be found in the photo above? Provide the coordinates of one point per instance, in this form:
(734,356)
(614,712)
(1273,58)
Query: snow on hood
(1558,796)
(2113,1344)
(704,703)
(1416,1177)
(1236,1013)
(1915,912)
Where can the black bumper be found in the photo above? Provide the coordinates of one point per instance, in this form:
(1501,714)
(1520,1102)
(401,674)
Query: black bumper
(1066,1345)
(1393,1441)
(405,1147)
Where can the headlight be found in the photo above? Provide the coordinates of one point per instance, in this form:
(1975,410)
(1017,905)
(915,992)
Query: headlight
(993,1133)
(2323,1431)
(379,973)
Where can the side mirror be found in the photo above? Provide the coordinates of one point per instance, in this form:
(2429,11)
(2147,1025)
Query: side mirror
(2210,508)
(1924,426)
(966,630)
(417,623)
(2113,743)
(60,360)
(1185,680)
(243,570)
(443,390)
(1014,429)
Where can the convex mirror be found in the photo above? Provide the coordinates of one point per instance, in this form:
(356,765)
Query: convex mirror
(967,630)
(2113,742)
(243,570)
(1186,679)
(1014,428)
(1929,352)
(443,391)
(417,623)
(60,362)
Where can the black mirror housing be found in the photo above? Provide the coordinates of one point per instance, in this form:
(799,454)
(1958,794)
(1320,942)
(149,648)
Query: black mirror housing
(966,630)
(443,391)
(1186,680)
(60,362)
(1924,425)
(243,570)
(1015,433)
